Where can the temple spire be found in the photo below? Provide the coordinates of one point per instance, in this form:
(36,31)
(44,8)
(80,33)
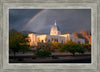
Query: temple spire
(55,22)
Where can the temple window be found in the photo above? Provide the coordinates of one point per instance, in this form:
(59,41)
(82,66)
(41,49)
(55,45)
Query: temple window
(49,40)
(42,41)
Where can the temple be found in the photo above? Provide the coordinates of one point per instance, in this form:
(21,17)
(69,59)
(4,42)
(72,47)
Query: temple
(55,35)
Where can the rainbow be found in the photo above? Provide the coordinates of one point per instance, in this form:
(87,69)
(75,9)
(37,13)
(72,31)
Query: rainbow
(33,18)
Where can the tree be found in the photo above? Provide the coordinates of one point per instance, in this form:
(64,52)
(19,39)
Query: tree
(87,46)
(24,48)
(75,48)
(56,44)
(14,46)
(68,48)
(49,47)
(70,42)
(72,48)
(63,48)
(45,46)
(79,48)
(16,40)
(43,53)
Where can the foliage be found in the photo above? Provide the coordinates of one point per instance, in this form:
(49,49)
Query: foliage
(56,44)
(87,46)
(63,48)
(79,48)
(70,42)
(24,48)
(43,53)
(46,46)
(71,47)
(16,41)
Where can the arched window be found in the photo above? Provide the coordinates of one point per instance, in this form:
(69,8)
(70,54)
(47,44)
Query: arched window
(42,41)
(48,40)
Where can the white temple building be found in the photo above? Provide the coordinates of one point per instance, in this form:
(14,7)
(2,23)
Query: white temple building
(55,35)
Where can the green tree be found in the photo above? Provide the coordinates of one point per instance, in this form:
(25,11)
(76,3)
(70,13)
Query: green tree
(24,48)
(72,48)
(43,53)
(16,40)
(56,44)
(79,48)
(87,46)
(14,46)
(64,48)
(49,47)
(70,42)
(45,46)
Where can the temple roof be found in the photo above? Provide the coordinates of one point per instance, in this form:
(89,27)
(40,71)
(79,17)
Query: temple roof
(55,27)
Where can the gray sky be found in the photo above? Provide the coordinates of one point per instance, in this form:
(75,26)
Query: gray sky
(39,20)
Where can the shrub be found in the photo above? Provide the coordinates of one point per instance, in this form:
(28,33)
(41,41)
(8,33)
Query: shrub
(80,49)
(44,53)
(56,44)
(24,48)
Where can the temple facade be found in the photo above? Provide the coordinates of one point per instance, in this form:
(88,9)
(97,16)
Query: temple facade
(55,35)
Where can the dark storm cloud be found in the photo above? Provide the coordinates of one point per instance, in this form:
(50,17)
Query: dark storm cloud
(68,20)
(19,17)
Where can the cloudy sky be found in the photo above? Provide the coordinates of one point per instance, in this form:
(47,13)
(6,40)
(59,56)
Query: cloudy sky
(41,20)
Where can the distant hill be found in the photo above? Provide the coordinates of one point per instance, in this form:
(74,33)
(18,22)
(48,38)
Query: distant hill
(26,32)
(12,31)
(23,32)
(83,34)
